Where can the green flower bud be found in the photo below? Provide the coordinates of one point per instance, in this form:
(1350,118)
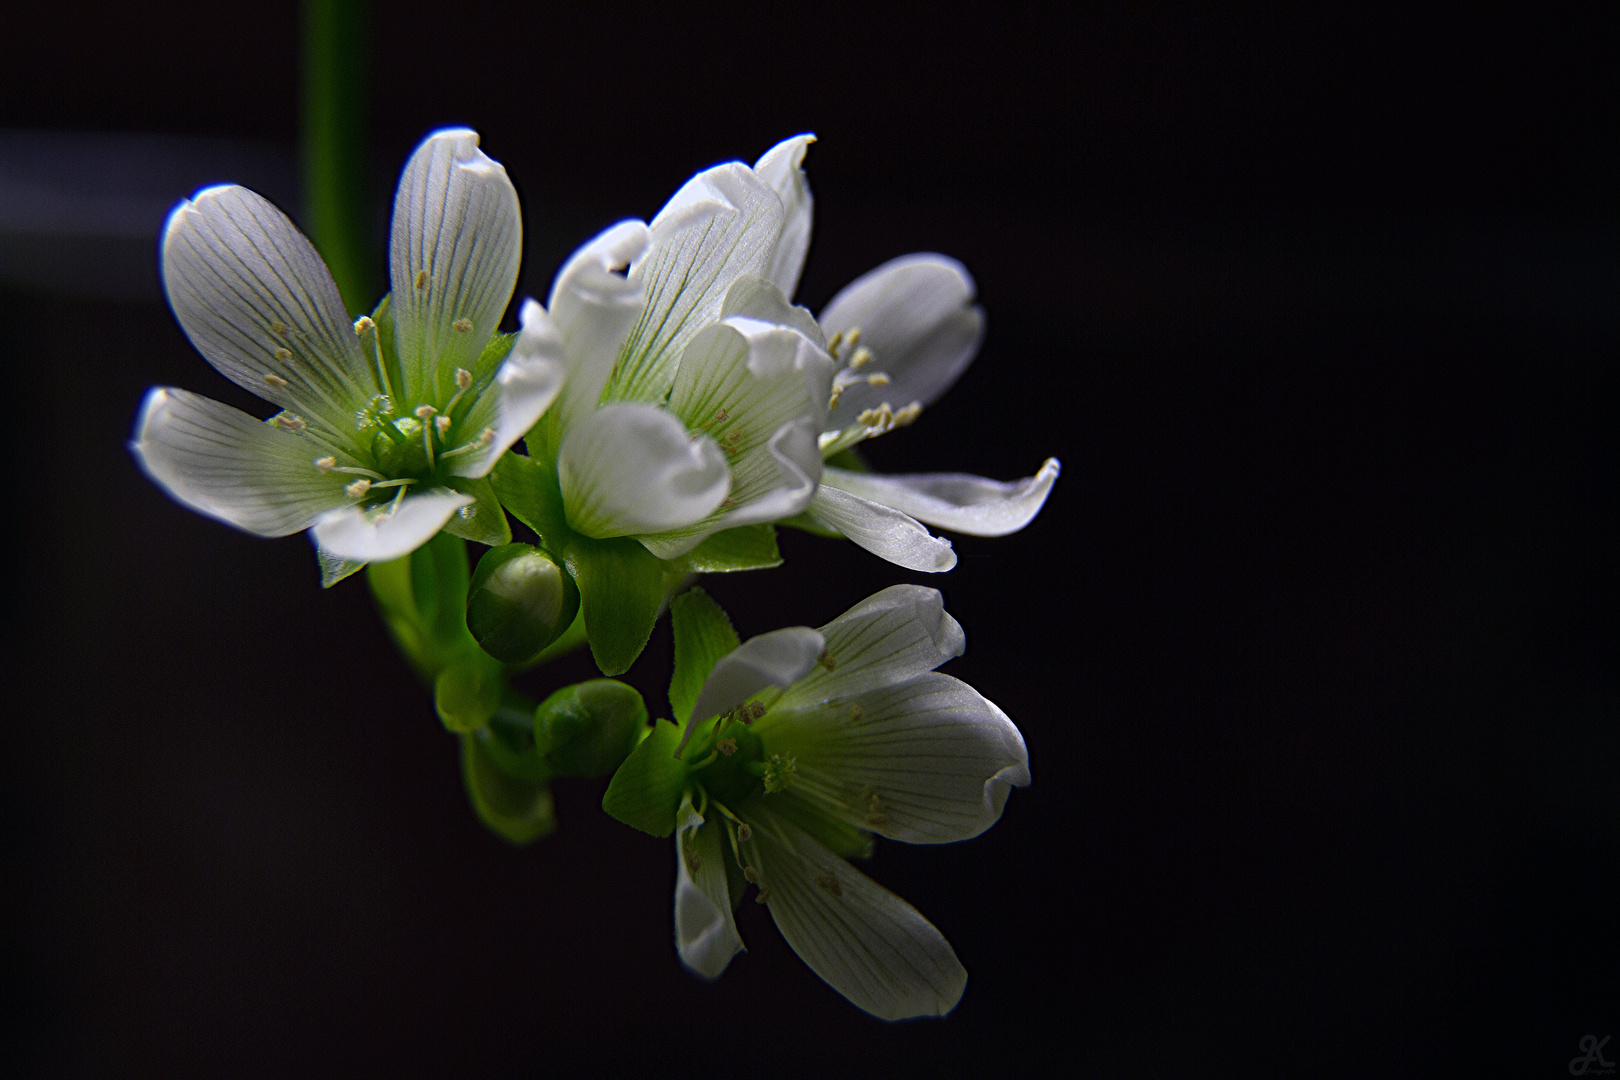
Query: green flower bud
(519,602)
(588,729)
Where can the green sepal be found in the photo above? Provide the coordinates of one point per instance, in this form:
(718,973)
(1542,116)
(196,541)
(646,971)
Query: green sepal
(423,597)
(487,524)
(747,547)
(588,729)
(703,635)
(646,791)
(528,489)
(334,568)
(383,316)
(468,691)
(807,523)
(571,639)
(510,740)
(849,460)
(519,811)
(621,590)
(519,601)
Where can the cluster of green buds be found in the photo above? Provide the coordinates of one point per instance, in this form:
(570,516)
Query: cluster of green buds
(664,411)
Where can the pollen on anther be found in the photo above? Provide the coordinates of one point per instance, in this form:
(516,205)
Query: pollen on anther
(283,354)
(441,424)
(463,378)
(908,414)
(326,464)
(357,489)
(878,378)
(293,425)
(862,357)
(364,325)
(727,747)
(853,338)
(425,411)
(421,279)
(276,382)
(834,341)
(745,833)
(463,325)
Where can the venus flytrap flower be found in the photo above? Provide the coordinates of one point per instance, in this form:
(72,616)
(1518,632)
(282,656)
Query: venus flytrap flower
(800,745)
(694,397)
(388,423)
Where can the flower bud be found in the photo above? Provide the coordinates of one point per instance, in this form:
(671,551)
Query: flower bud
(519,602)
(588,729)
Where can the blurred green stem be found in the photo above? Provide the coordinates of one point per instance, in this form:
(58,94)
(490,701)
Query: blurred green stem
(334,144)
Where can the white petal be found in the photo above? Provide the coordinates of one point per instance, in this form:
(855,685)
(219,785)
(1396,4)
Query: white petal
(928,761)
(453,259)
(222,462)
(967,504)
(705,934)
(723,223)
(782,167)
(593,305)
(523,389)
(884,532)
(889,638)
(864,941)
(917,315)
(754,297)
(258,303)
(628,469)
(378,536)
(779,658)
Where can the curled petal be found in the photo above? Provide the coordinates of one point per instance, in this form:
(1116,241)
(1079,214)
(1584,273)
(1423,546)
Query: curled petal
(361,535)
(705,934)
(959,501)
(883,531)
(628,469)
(593,305)
(779,658)
(889,638)
(222,462)
(782,167)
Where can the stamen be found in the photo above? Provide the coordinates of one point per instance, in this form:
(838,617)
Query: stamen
(442,424)
(830,883)
(727,746)
(283,354)
(286,421)
(366,331)
(878,378)
(425,411)
(727,503)
(862,357)
(393,507)
(762,896)
(393,483)
(427,434)
(720,417)
(326,464)
(353,471)
(834,341)
(276,382)
(358,489)
(463,326)
(463,378)
(908,415)
(751,875)
(485,438)
(832,402)
(853,338)
(745,833)
(278,328)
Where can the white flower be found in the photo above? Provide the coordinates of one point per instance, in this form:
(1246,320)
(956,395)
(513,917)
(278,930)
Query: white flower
(386,426)
(823,738)
(902,334)
(695,391)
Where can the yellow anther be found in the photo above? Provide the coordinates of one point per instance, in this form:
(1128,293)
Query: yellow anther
(276,382)
(908,414)
(357,489)
(878,378)
(853,337)
(862,357)
(289,423)
(833,342)
(727,747)
(830,883)
(463,378)
(421,279)
(363,325)
(326,464)
(832,402)
(441,424)
(869,417)
(745,833)
(463,325)
(486,437)
(425,411)
(283,354)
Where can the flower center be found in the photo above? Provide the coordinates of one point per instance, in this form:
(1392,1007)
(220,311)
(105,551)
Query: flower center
(855,360)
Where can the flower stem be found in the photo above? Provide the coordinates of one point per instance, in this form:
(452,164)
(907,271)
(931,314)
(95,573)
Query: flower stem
(334,144)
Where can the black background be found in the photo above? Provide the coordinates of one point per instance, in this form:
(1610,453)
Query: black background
(1312,646)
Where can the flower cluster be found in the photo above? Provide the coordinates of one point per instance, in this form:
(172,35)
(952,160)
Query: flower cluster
(657,418)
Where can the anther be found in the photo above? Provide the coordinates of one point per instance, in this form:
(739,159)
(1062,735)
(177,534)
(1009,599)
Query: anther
(286,421)
(463,378)
(466,513)
(862,357)
(275,382)
(908,414)
(462,325)
(442,424)
(734,436)
(853,338)
(720,417)
(363,326)
(425,411)
(278,328)
(762,896)
(878,378)
(326,464)
(421,279)
(727,747)
(832,402)
(751,875)
(834,341)
(283,354)
(357,489)
(830,883)
(745,833)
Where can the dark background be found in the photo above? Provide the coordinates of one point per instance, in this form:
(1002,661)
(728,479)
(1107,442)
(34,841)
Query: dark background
(1313,645)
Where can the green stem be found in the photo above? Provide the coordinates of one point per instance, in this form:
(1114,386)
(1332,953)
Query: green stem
(334,144)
